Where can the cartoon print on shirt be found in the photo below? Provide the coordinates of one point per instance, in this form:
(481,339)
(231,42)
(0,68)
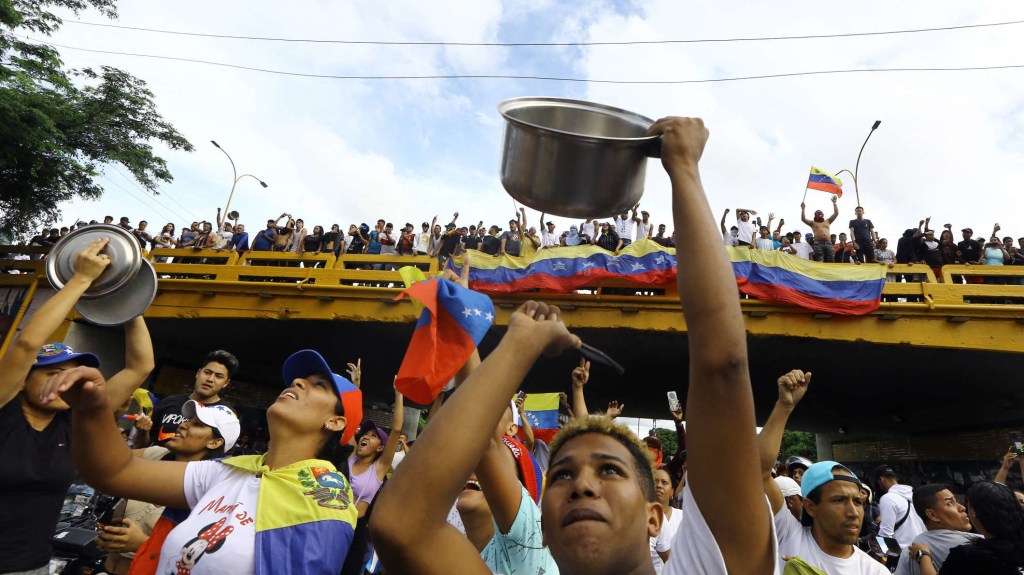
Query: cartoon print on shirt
(210,539)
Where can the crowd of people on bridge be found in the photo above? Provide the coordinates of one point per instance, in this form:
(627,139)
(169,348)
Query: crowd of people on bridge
(334,493)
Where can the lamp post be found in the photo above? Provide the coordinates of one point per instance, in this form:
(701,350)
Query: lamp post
(234,183)
(856,167)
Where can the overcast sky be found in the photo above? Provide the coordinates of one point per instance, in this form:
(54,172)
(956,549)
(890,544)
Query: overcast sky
(350,151)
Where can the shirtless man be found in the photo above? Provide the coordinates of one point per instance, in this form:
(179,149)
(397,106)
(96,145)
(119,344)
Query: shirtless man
(823,248)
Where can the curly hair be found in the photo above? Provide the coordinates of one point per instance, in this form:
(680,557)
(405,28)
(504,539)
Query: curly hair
(997,509)
(604,425)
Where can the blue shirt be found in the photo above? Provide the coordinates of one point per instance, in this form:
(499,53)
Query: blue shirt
(374,246)
(265,240)
(239,241)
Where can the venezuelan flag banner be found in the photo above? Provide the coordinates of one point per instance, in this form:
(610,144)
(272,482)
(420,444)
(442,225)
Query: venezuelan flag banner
(542,414)
(824,182)
(827,288)
(564,269)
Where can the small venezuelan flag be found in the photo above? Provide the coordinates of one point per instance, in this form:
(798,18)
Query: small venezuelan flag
(824,182)
(542,414)
(453,322)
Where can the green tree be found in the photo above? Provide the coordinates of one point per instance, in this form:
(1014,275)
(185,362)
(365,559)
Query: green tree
(669,444)
(58,127)
(798,443)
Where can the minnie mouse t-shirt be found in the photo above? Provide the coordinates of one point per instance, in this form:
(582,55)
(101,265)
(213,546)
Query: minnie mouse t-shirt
(219,536)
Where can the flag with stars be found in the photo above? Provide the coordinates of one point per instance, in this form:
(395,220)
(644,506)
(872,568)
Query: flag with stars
(453,321)
(565,269)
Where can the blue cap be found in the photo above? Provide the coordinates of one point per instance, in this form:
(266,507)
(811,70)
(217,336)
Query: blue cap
(52,353)
(307,362)
(821,473)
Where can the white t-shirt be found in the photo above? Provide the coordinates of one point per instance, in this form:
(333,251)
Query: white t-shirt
(624,227)
(548,240)
(795,540)
(748,230)
(694,549)
(219,536)
(765,244)
(803,250)
(729,239)
(663,542)
(386,250)
(588,229)
(422,243)
(644,231)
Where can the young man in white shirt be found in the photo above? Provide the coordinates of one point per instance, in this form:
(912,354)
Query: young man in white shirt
(747,228)
(548,237)
(826,535)
(624,226)
(897,517)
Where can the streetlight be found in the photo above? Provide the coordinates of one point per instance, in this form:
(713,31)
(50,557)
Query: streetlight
(856,188)
(237,177)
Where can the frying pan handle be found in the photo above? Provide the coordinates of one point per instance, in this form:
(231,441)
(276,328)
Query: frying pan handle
(652,149)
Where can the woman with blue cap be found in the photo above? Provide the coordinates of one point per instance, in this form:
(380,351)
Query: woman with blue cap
(35,450)
(287,511)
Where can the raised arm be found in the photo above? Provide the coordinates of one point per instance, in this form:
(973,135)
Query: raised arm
(721,404)
(792,387)
(722,223)
(21,354)
(634,217)
(521,218)
(675,467)
(391,447)
(1004,470)
(580,377)
(835,211)
(100,454)
(411,519)
(803,214)
(138,362)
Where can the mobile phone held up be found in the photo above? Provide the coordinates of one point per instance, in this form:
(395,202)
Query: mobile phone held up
(1017,443)
(673,402)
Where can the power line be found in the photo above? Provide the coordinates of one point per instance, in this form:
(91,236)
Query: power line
(547,44)
(138,199)
(529,77)
(168,196)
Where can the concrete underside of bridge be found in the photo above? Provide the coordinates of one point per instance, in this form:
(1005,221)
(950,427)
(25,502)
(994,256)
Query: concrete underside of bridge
(864,388)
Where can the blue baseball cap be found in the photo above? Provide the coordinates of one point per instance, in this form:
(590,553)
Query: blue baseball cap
(307,362)
(52,353)
(821,473)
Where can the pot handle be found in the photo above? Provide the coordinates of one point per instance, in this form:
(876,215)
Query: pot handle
(652,149)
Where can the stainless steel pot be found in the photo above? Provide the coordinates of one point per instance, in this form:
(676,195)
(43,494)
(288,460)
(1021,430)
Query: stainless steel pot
(123,291)
(573,158)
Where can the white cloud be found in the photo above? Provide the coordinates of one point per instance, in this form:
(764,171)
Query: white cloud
(350,150)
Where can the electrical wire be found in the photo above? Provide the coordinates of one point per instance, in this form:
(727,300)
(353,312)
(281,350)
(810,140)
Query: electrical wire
(529,77)
(549,44)
(137,198)
(133,182)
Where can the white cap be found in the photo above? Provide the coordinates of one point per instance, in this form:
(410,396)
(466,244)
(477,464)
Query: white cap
(220,417)
(787,485)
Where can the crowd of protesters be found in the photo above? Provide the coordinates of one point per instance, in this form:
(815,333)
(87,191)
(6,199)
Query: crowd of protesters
(861,243)
(336,494)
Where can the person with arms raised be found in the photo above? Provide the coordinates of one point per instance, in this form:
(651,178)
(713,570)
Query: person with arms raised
(35,435)
(825,536)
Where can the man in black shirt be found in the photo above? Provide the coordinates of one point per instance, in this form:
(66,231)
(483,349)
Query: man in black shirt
(211,379)
(491,243)
(862,232)
(472,241)
(970,248)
